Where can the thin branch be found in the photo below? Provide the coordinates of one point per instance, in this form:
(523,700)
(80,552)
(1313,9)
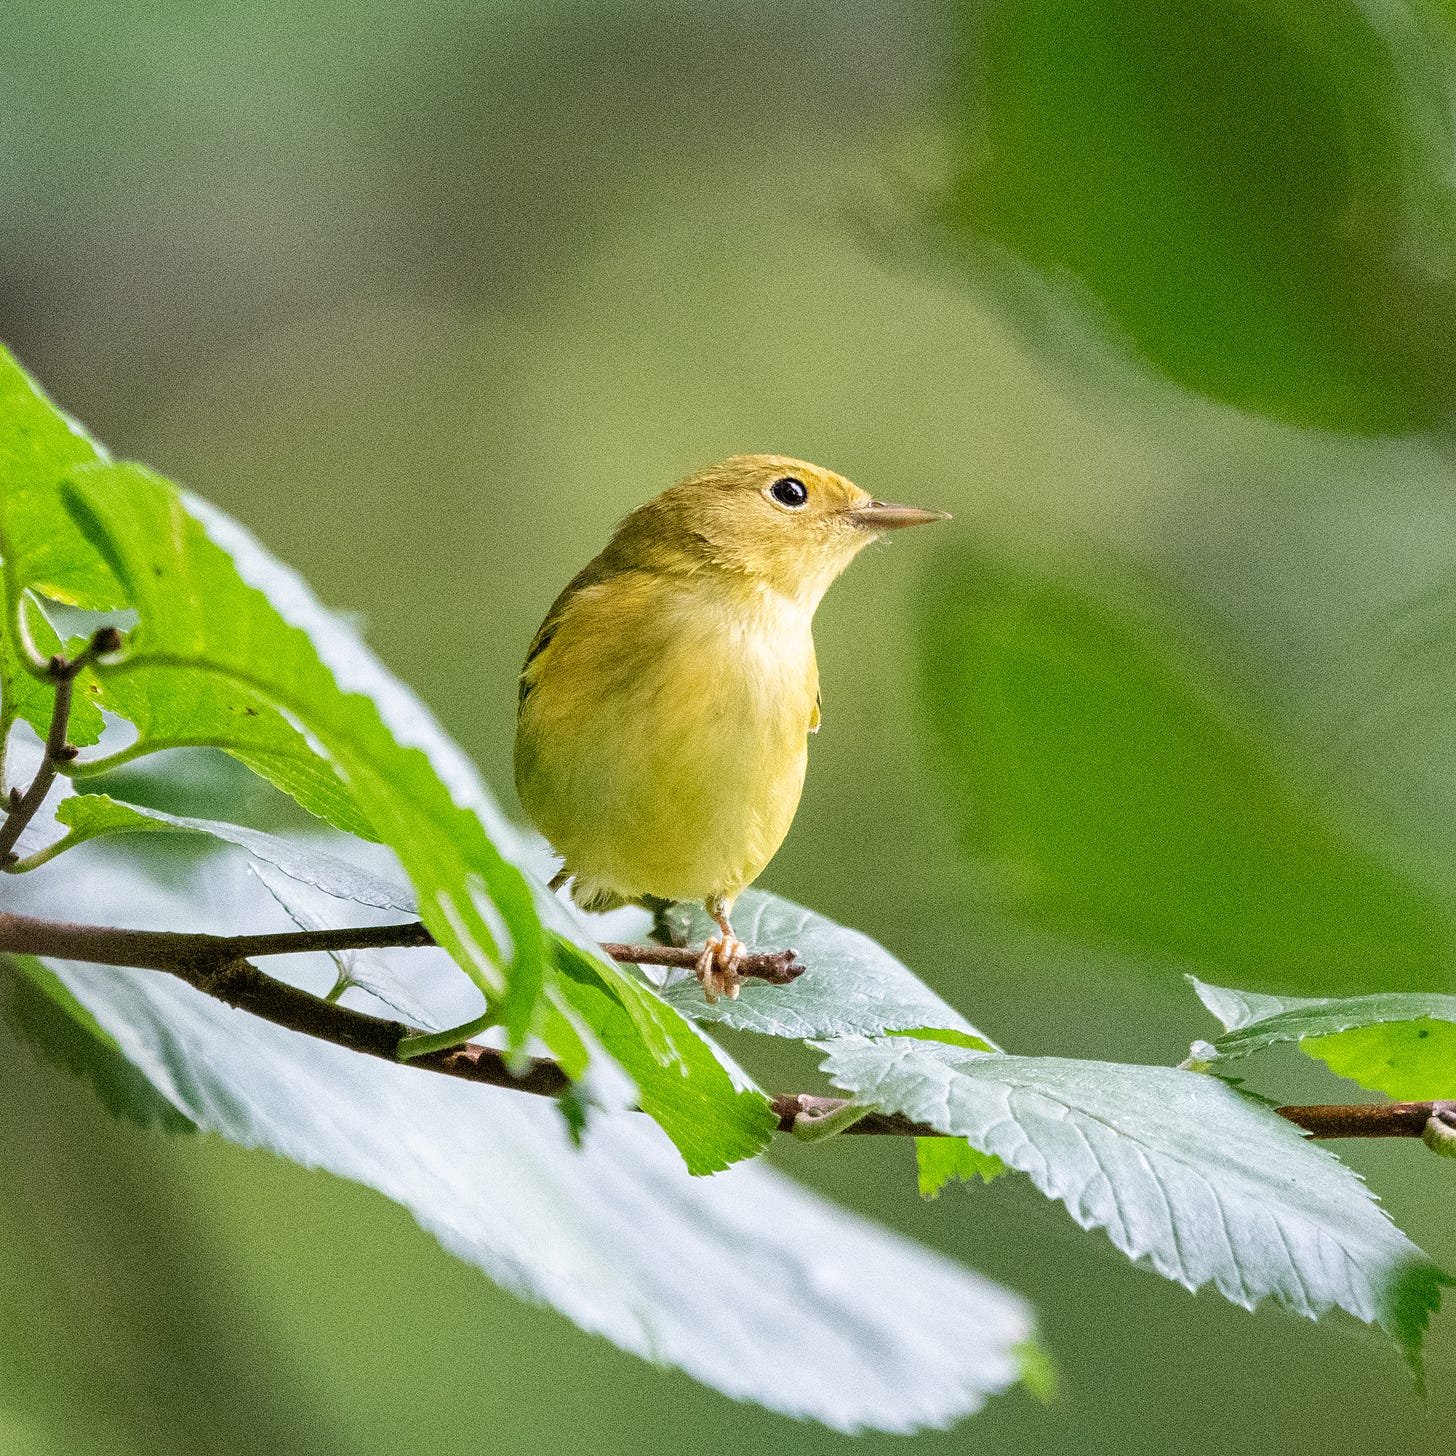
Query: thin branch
(20,808)
(218,966)
(169,950)
(165,950)
(1372,1119)
(777,967)
(1369,1120)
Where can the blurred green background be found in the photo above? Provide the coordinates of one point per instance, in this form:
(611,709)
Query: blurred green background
(1155,298)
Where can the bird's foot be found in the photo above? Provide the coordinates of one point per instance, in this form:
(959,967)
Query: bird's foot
(717,967)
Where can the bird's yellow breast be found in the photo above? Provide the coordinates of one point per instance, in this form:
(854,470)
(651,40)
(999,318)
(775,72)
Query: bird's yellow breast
(662,735)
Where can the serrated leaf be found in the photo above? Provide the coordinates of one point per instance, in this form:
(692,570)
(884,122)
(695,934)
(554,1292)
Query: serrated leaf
(1187,1175)
(197,612)
(850,985)
(40,1010)
(1399,1043)
(45,550)
(617,1236)
(939,1160)
(1128,794)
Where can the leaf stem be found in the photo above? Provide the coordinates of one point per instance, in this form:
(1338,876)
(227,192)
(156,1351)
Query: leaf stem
(44,856)
(84,768)
(422,1043)
(815,1125)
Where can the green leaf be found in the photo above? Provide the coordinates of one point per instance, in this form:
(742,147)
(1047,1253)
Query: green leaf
(941,1159)
(617,1236)
(1402,1044)
(200,613)
(684,1086)
(1038,1374)
(850,984)
(1127,795)
(44,550)
(41,546)
(1187,1175)
(1256,196)
(1411,1061)
(42,1012)
(177,708)
(92,816)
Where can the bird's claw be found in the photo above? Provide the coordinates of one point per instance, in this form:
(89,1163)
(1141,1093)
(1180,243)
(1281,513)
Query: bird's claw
(717,967)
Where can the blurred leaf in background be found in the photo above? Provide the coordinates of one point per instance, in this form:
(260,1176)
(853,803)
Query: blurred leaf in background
(1127,795)
(1257,195)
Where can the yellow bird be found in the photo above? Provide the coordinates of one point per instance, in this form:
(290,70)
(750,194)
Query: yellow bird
(667,699)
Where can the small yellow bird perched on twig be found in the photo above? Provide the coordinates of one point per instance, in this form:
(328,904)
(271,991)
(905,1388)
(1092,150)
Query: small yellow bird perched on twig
(666,700)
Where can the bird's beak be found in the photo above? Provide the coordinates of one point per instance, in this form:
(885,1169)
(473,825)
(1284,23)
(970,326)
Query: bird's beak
(881,516)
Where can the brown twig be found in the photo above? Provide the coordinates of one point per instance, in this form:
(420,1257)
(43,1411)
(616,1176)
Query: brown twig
(1366,1119)
(20,808)
(1372,1119)
(777,967)
(218,966)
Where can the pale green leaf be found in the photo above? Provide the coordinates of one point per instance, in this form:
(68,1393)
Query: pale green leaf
(384,974)
(677,1073)
(731,1278)
(1186,1174)
(850,984)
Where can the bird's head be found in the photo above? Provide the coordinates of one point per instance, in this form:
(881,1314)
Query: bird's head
(780,522)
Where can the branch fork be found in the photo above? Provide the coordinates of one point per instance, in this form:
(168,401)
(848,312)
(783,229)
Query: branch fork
(20,808)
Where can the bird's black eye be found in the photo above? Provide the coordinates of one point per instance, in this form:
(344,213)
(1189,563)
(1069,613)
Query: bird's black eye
(790,492)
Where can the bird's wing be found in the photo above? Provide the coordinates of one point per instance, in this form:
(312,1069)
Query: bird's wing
(593,572)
